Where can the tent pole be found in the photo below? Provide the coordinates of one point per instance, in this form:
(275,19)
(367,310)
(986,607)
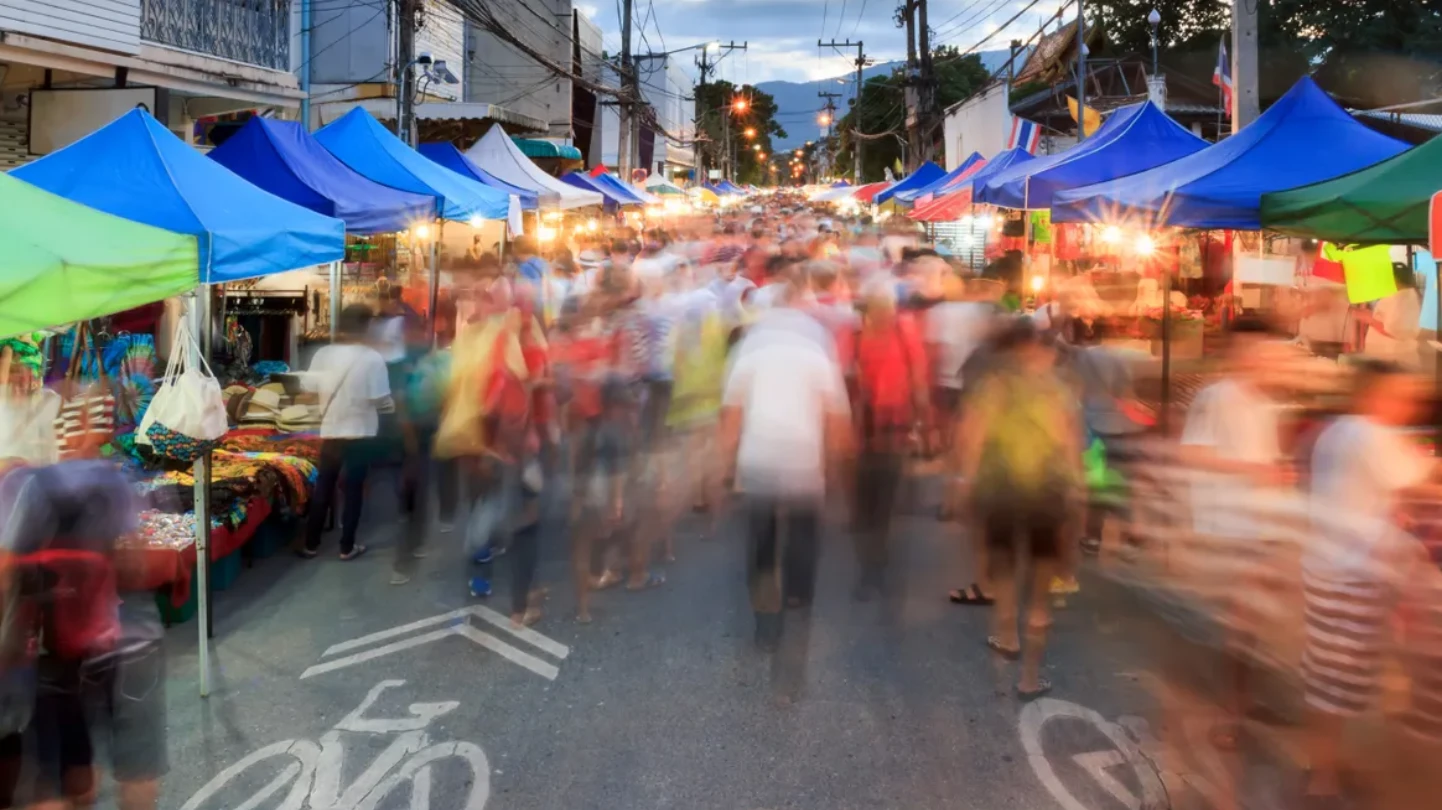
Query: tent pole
(201,471)
(435,296)
(1163,417)
(334,298)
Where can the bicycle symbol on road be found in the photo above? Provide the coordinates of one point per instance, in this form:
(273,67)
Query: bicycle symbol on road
(1124,752)
(314,769)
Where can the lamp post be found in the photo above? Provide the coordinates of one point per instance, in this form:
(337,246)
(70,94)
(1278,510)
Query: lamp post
(1154,19)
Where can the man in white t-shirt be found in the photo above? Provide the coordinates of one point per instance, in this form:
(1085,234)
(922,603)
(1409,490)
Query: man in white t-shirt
(785,417)
(351,381)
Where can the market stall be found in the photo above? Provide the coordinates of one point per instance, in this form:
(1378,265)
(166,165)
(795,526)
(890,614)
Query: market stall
(447,155)
(925,174)
(912,196)
(500,157)
(613,196)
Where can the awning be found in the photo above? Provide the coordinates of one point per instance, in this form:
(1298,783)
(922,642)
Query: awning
(614,182)
(1133,139)
(1303,138)
(282,158)
(449,156)
(614,196)
(946,208)
(939,185)
(656,184)
(363,144)
(1386,203)
(135,168)
(498,155)
(925,174)
(536,148)
(868,192)
(65,262)
(384,109)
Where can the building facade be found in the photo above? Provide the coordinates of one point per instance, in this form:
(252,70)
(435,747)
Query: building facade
(980,124)
(68,67)
(666,140)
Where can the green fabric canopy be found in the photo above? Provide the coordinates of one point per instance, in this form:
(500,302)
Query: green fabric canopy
(62,262)
(534,148)
(1385,203)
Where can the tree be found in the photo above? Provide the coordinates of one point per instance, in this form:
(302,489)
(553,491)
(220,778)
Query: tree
(1186,25)
(882,109)
(1370,53)
(748,109)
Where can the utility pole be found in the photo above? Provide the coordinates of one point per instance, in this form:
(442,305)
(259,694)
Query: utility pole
(907,14)
(830,128)
(926,90)
(705,66)
(1011,71)
(1245,104)
(628,86)
(856,100)
(405,56)
(1081,70)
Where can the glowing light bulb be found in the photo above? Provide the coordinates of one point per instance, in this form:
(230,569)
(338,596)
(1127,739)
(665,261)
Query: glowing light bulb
(1037,283)
(422,232)
(1145,246)
(592,225)
(1111,234)
(476,222)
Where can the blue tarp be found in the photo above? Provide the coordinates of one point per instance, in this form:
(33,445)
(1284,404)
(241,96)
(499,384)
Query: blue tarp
(1003,161)
(446,154)
(1303,138)
(925,174)
(911,195)
(137,169)
(587,182)
(364,145)
(282,158)
(1132,139)
(840,184)
(612,182)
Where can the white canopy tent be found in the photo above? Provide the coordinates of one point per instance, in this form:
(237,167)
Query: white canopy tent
(499,155)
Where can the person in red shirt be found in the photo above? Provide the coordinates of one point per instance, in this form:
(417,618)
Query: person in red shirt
(892,383)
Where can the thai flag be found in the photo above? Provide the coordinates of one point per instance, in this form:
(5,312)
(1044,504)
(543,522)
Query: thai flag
(1222,76)
(1025,134)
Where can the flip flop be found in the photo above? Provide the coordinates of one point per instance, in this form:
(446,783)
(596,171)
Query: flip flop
(970,595)
(1009,653)
(653,580)
(1042,687)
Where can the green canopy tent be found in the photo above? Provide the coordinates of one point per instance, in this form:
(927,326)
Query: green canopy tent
(1385,203)
(64,262)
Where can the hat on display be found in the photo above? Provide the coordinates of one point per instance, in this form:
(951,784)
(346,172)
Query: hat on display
(263,408)
(299,419)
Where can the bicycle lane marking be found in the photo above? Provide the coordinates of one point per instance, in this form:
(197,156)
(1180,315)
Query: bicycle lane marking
(1040,712)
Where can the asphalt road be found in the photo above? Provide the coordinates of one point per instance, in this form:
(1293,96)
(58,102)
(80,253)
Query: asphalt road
(662,702)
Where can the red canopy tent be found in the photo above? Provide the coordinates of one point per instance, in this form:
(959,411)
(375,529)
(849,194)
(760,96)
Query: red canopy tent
(868,191)
(945,208)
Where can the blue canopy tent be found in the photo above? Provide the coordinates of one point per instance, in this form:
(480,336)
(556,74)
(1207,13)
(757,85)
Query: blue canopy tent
(925,174)
(282,158)
(840,184)
(364,145)
(587,182)
(1303,138)
(940,184)
(1003,161)
(138,170)
(612,182)
(1133,139)
(446,154)
(720,190)
(731,188)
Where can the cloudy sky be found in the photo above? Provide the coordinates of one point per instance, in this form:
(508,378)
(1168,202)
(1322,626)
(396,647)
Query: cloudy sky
(782,34)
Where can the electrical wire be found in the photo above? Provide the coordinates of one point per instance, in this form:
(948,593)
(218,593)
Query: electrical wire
(973,49)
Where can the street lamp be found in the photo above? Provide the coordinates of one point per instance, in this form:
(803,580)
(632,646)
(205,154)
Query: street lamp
(1154,19)
(824,120)
(739,104)
(749,132)
(756,147)
(761,156)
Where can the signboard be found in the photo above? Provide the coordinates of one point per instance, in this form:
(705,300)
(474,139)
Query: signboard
(1435,225)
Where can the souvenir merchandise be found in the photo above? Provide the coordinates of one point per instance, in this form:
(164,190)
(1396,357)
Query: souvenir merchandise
(187,415)
(87,416)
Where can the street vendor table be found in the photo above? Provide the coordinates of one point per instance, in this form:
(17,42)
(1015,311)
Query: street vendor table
(173,568)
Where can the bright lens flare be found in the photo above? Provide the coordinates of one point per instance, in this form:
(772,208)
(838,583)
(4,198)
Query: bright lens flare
(421,232)
(592,225)
(1037,283)
(546,232)
(1111,234)
(1145,246)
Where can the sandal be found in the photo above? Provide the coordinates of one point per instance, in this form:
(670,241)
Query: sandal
(1042,687)
(606,581)
(357,551)
(1009,653)
(530,617)
(970,595)
(653,580)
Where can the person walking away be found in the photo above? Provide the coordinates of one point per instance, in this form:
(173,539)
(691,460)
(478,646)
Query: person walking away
(954,328)
(1021,459)
(891,366)
(1363,465)
(784,422)
(353,386)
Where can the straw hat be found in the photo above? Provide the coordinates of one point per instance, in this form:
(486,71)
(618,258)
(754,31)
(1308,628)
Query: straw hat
(263,408)
(299,418)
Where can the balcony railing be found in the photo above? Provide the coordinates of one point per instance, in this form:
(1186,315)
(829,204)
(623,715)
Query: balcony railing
(256,32)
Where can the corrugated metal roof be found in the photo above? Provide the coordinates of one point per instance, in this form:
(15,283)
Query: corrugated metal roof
(1427,121)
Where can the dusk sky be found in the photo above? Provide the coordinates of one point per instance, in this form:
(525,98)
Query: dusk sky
(782,34)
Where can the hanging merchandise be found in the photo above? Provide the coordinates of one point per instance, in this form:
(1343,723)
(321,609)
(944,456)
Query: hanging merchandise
(187,415)
(27,426)
(87,416)
(1368,271)
(1041,227)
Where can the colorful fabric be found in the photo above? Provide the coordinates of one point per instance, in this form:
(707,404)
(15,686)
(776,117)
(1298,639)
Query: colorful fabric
(27,365)
(169,444)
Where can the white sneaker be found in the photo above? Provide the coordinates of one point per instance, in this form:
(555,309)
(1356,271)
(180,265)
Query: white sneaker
(398,578)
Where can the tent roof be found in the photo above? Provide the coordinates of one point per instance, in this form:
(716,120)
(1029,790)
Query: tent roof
(135,168)
(945,208)
(1384,203)
(869,191)
(840,184)
(65,262)
(498,154)
(1003,160)
(936,186)
(613,196)
(282,158)
(360,141)
(1133,139)
(446,154)
(656,184)
(1303,138)
(613,182)
(730,187)
(834,194)
(925,174)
